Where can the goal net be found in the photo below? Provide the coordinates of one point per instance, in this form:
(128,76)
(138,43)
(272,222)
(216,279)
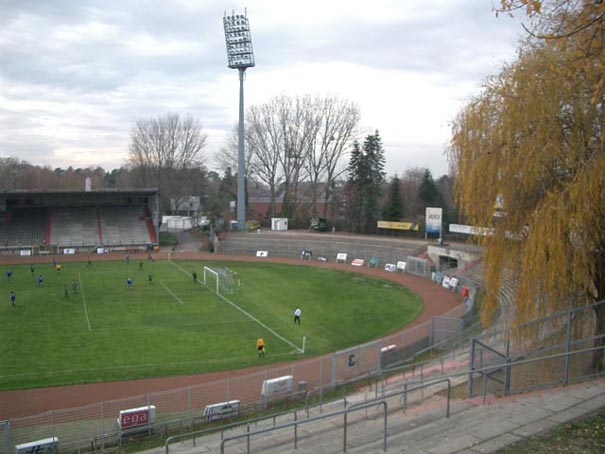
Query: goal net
(221,280)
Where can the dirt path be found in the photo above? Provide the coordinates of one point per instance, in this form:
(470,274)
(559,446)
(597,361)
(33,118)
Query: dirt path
(34,401)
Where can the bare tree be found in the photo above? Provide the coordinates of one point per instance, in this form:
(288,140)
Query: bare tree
(264,139)
(297,139)
(227,157)
(12,173)
(163,151)
(335,128)
(296,124)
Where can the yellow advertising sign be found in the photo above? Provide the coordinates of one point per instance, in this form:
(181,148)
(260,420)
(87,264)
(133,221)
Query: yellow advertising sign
(395,225)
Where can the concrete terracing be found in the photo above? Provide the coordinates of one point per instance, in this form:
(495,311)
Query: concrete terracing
(291,243)
(472,427)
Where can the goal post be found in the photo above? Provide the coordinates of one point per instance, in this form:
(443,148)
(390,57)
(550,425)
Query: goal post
(226,280)
(208,273)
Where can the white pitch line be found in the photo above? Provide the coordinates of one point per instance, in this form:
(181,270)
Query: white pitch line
(242,310)
(171,293)
(84,302)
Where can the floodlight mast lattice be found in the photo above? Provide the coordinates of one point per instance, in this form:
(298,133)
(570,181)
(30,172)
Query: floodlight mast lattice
(239,56)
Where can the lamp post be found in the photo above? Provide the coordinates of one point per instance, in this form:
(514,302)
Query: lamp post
(239,56)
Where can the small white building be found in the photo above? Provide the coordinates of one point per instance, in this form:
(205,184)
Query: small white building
(182,223)
(279,223)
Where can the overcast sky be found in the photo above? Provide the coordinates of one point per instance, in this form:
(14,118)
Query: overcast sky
(76,75)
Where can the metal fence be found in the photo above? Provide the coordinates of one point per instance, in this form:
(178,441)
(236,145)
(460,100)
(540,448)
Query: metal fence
(561,335)
(418,266)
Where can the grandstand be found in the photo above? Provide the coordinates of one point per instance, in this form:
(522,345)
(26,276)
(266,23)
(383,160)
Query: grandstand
(22,226)
(290,244)
(50,222)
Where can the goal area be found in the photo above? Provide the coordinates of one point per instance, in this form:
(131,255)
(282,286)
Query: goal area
(221,280)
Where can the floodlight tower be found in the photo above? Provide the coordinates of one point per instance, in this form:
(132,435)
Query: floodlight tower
(239,56)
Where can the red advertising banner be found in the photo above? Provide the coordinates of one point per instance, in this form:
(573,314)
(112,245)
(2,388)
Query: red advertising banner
(135,418)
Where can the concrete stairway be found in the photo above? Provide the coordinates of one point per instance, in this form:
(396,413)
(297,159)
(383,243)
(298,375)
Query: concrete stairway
(471,428)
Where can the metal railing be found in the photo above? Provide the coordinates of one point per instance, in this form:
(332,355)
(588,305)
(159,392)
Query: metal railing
(296,423)
(382,400)
(223,428)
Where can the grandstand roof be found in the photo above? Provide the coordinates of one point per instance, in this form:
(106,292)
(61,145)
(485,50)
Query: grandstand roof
(27,198)
(72,192)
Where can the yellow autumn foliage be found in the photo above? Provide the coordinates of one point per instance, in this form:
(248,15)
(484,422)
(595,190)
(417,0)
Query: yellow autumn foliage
(533,139)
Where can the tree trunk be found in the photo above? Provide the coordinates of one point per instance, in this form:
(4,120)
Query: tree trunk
(599,342)
(599,282)
(272,209)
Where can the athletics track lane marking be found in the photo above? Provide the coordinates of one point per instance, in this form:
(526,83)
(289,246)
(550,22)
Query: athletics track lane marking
(298,349)
(84,302)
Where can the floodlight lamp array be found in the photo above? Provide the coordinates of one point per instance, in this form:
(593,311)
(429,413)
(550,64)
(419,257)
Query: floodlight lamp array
(239,42)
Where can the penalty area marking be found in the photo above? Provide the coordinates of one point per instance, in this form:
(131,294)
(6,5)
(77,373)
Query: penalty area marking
(84,301)
(249,315)
(171,293)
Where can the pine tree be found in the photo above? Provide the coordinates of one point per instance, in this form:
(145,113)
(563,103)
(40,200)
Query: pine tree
(428,191)
(366,176)
(354,184)
(393,210)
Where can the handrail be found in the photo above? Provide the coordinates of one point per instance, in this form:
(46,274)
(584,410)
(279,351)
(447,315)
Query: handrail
(363,405)
(421,386)
(223,427)
(344,412)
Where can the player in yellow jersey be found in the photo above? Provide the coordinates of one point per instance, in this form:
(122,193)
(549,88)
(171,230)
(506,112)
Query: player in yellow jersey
(260,346)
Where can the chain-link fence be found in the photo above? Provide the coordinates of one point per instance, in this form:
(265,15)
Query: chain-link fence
(567,336)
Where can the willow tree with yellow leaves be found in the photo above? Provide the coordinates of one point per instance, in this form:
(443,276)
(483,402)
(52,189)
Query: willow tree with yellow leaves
(529,158)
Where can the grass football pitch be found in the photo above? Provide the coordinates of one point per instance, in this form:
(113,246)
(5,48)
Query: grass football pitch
(105,330)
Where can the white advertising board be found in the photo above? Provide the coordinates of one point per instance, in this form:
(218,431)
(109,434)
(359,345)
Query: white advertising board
(341,257)
(43,446)
(222,410)
(433,220)
(280,386)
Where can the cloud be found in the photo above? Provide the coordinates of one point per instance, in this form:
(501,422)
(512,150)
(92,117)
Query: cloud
(76,75)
